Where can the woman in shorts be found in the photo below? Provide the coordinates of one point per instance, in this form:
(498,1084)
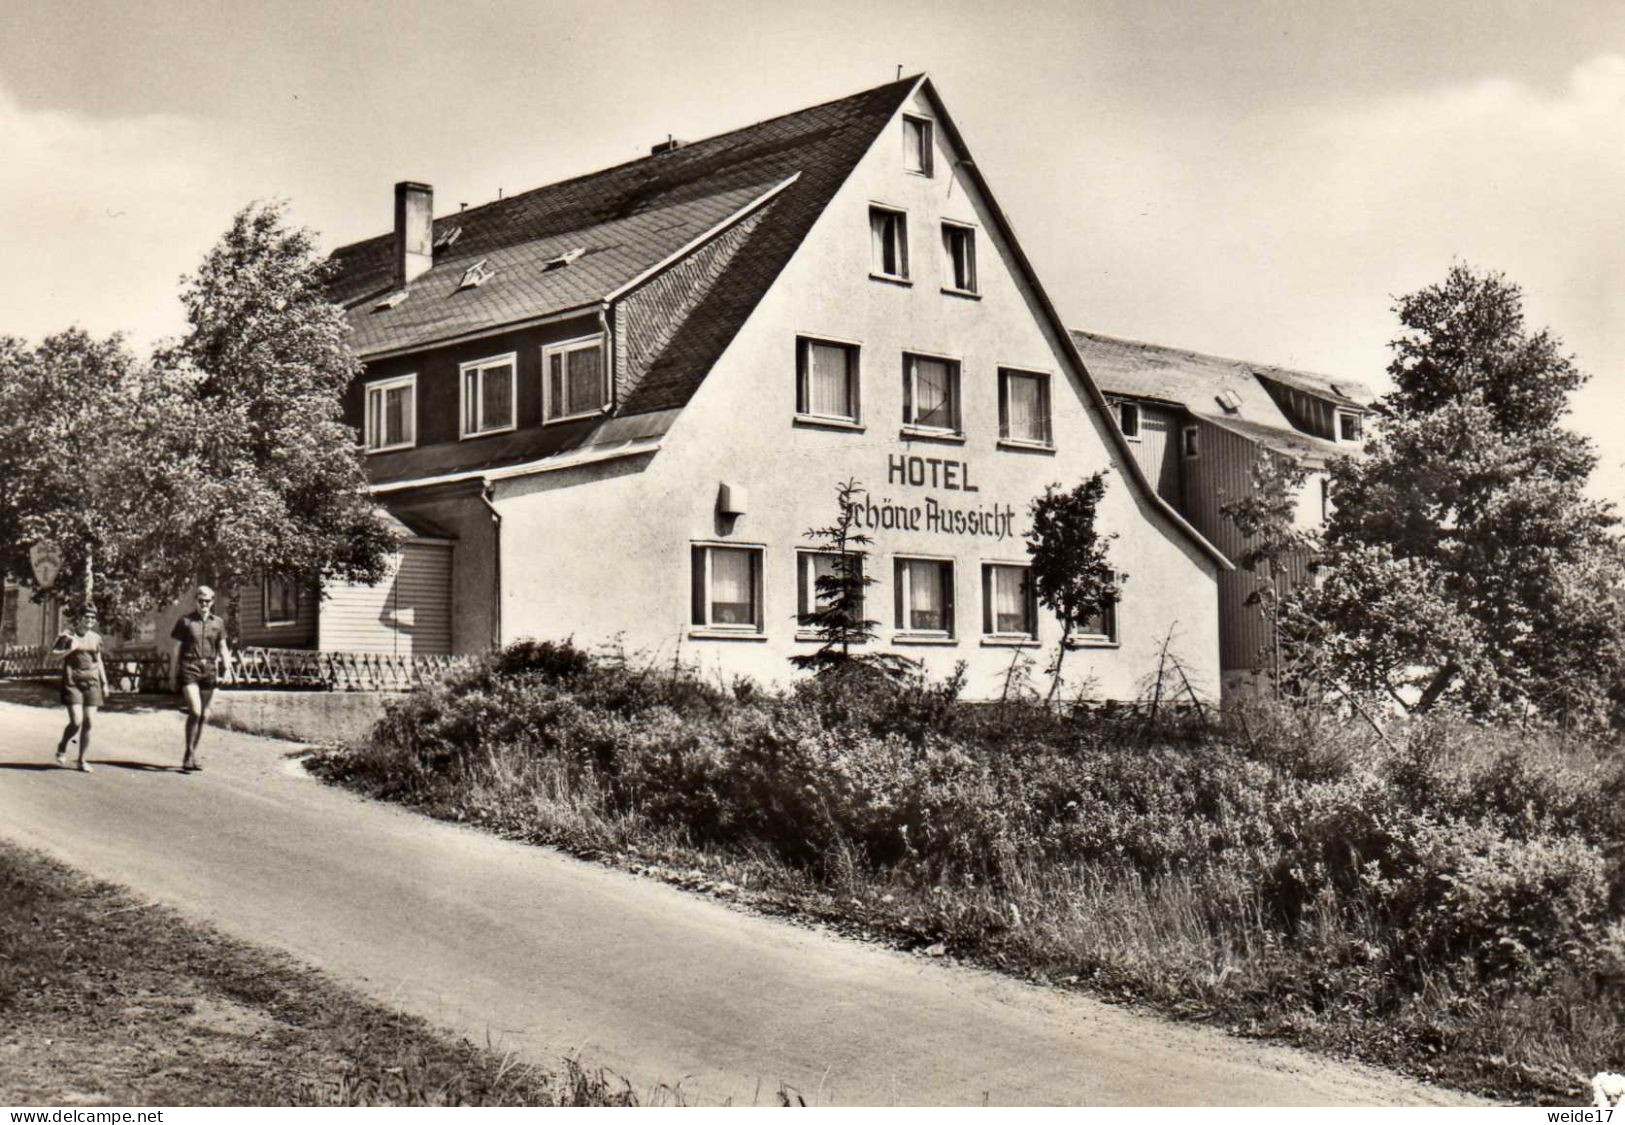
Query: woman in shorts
(84,682)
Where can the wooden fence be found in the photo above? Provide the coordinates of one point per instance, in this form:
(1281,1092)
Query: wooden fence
(250,668)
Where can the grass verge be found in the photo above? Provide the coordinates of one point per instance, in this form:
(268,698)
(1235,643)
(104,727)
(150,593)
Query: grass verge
(106,1000)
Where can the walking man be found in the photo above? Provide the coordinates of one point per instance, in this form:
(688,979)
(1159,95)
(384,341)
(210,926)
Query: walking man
(200,643)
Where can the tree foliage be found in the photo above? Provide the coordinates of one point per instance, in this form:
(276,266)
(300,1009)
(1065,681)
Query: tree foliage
(1071,571)
(839,602)
(1468,513)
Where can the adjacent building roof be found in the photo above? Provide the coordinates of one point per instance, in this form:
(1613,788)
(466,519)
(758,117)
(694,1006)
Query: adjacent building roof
(624,220)
(1199,383)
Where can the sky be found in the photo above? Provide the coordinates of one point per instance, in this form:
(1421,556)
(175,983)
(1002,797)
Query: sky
(1256,180)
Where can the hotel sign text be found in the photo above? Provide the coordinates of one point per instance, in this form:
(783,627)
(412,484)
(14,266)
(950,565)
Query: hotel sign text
(931,515)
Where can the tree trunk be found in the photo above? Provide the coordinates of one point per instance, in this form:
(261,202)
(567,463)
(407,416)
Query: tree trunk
(1439,685)
(1060,656)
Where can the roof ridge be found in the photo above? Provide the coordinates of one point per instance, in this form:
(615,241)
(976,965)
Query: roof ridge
(506,200)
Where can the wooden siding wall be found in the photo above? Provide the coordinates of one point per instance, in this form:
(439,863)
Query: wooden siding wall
(407,614)
(252,629)
(1221,472)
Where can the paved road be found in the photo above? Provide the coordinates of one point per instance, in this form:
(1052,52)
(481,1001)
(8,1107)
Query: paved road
(545,955)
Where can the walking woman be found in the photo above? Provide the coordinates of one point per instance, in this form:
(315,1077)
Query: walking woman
(84,682)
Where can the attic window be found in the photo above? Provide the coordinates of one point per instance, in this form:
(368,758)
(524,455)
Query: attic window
(1348,426)
(917,145)
(564,259)
(391,301)
(1230,400)
(1128,419)
(446,237)
(477,274)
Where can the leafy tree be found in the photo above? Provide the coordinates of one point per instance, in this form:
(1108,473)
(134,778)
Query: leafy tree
(1277,548)
(837,612)
(91,461)
(1071,573)
(281,486)
(1474,487)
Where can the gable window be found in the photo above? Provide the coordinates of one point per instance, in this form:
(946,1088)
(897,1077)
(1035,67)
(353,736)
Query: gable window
(959,243)
(931,393)
(575,379)
(826,380)
(1128,419)
(1024,407)
(924,596)
(488,396)
(917,145)
(279,601)
(888,237)
(1009,608)
(810,567)
(391,421)
(727,588)
(1348,426)
(1188,441)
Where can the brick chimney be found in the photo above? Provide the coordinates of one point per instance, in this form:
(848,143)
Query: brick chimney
(414,230)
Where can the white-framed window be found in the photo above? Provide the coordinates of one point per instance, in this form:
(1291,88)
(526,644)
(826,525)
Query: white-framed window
(826,380)
(930,393)
(1349,426)
(1100,627)
(490,395)
(917,148)
(1128,419)
(924,596)
(727,588)
(1187,438)
(810,567)
(392,414)
(575,379)
(888,240)
(1024,414)
(1009,603)
(959,248)
(279,601)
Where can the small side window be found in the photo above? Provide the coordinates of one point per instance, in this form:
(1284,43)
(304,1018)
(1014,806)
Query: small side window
(1349,426)
(1128,419)
(1188,435)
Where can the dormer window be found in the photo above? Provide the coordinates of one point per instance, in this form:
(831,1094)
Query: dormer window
(1128,419)
(1349,426)
(917,145)
(888,236)
(575,379)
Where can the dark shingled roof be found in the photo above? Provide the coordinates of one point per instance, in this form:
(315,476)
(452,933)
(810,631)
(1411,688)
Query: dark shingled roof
(626,219)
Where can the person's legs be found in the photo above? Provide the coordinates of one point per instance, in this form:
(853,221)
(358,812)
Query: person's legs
(205,697)
(75,713)
(194,720)
(84,736)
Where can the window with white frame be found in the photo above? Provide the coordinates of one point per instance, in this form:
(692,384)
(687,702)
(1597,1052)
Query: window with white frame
(959,246)
(888,237)
(489,396)
(917,145)
(727,588)
(1128,419)
(1099,627)
(826,380)
(924,596)
(1348,426)
(1024,407)
(1009,607)
(391,417)
(1188,440)
(575,379)
(811,566)
(279,601)
(930,393)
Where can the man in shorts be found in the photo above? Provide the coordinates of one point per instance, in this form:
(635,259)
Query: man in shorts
(200,644)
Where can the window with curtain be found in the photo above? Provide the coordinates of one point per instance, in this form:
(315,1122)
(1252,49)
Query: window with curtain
(925,595)
(1100,625)
(959,243)
(576,383)
(1009,607)
(811,566)
(917,145)
(827,380)
(931,393)
(488,396)
(279,602)
(391,421)
(888,232)
(728,587)
(1024,407)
